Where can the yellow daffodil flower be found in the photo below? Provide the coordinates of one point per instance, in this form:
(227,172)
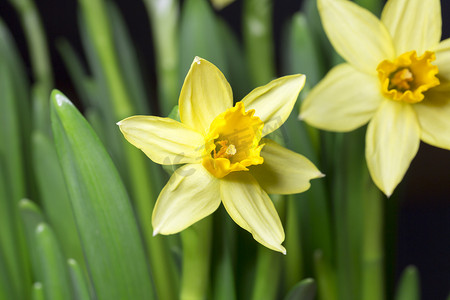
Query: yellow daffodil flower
(396,78)
(224,154)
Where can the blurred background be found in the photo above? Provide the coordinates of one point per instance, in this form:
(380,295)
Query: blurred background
(420,231)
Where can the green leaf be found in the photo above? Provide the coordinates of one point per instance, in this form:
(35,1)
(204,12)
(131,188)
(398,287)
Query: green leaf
(52,270)
(165,30)
(374,6)
(128,61)
(37,291)
(301,53)
(9,55)
(12,177)
(199,36)
(326,278)
(238,73)
(54,195)
(74,67)
(31,217)
(304,290)
(258,40)
(6,288)
(11,151)
(409,286)
(79,282)
(105,220)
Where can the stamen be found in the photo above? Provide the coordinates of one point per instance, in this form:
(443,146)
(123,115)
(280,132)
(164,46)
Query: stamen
(231,150)
(401,79)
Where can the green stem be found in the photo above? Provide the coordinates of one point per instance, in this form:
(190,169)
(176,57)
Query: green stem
(268,263)
(196,242)
(372,253)
(294,263)
(164,21)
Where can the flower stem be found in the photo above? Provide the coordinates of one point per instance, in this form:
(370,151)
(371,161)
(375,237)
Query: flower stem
(372,253)
(294,263)
(268,263)
(196,242)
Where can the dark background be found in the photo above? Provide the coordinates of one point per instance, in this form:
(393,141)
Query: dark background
(419,232)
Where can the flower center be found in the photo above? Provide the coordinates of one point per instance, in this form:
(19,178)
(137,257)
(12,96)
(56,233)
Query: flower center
(232,143)
(408,76)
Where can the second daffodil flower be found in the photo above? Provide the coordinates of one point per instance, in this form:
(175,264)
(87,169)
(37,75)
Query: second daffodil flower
(396,78)
(225,158)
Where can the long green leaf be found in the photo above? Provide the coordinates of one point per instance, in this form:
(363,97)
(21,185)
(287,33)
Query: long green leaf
(6,288)
(54,195)
(326,278)
(409,286)
(31,217)
(37,291)
(79,282)
(53,272)
(304,290)
(258,40)
(13,180)
(128,61)
(199,36)
(104,217)
(164,20)
(301,53)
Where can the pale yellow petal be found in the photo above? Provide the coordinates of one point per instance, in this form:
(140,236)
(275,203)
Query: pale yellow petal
(392,141)
(434,118)
(356,34)
(442,51)
(283,171)
(163,140)
(344,100)
(205,94)
(413,24)
(191,194)
(274,101)
(251,208)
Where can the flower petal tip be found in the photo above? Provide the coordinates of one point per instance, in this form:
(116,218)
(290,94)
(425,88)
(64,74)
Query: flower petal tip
(197,60)
(284,252)
(155,232)
(301,117)
(321,175)
(119,123)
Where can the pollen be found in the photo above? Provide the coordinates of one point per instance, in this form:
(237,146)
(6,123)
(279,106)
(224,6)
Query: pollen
(408,76)
(233,142)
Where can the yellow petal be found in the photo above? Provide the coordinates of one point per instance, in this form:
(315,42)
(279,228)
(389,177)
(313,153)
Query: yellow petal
(442,51)
(274,102)
(204,95)
(356,34)
(413,24)
(392,141)
(251,208)
(344,100)
(163,140)
(283,171)
(190,195)
(434,118)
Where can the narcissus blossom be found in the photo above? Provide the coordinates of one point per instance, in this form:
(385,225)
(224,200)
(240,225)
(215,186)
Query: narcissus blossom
(396,78)
(226,158)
